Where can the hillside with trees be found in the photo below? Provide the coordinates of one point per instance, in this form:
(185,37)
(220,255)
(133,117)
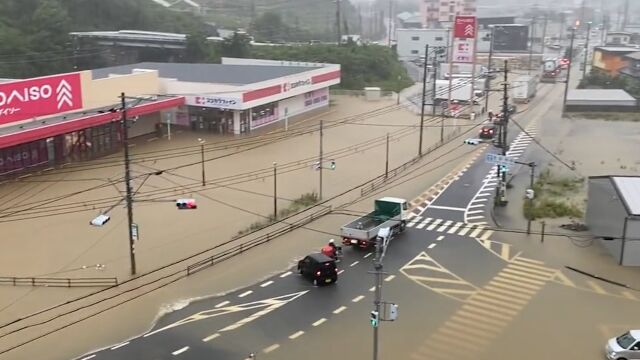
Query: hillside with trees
(34,33)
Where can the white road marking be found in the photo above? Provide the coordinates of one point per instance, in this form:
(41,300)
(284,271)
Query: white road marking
(474,211)
(367,255)
(340,272)
(340,309)
(389,278)
(296,335)
(480,200)
(120,345)
(245,293)
(483,194)
(355,263)
(423,223)
(440,237)
(271,348)
(446,208)
(180,351)
(319,322)
(358,298)
(414,220)
(454,228)
(476,231)
(432,246)
(465,230)
(476,205)
(211,337)
(89,357)
(373,288)
(475,217)
(221,304)
(285,274)
(486,235)
(267,283)
(434,224)
(444,226)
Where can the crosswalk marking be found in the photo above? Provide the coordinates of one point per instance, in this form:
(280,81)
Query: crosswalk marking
(444,226)
(474,217)
(474,211)
(414,221)
(597,288)
(423,223)
(464,230)
(434,224)
(455,227)
(487,234)
(476,231)
(485,315)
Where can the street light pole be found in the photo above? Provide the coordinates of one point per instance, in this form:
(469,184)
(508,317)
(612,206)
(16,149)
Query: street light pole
(386,165)
(424,94)
(275,191)
(127,180)
(532,167)
(533,27)
(489,65)
(378,292)
(566,86)
(586,50)
(204,181)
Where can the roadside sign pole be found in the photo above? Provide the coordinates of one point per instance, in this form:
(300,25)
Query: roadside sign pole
(378,292)
(127,180)
(532,167)
(320,161)
(424,94)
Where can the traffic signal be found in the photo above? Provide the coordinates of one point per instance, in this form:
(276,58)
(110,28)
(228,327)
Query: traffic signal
(186,204)
(375,318)
(503,169)
(332,164)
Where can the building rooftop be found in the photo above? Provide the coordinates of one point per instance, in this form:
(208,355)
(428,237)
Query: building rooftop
(207,73)
(599,95)
(618,49)
(634,56)
(628,188)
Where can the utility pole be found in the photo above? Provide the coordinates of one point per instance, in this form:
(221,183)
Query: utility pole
(586,50)
(377,265)
(202,161)
(338,22)
(533,28)
(275,190)
(625,16)
(566,86)
(424,94)
(451,71)
(386,165)
(504,123)
(433,85)
(489,69)
(544,34)
(391,21)
(127,180)
(320,162)
(532,167)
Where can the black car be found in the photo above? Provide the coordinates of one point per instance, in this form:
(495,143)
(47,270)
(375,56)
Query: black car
(318,268)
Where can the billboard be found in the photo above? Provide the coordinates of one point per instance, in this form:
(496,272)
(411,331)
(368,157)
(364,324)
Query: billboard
(511,37)
(27,99)
(465,27)
(213,101)
(463,50)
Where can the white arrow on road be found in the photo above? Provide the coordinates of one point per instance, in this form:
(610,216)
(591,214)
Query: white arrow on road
(268,305)
(64,94)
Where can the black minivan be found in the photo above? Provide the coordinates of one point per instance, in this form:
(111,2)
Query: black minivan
(318,268)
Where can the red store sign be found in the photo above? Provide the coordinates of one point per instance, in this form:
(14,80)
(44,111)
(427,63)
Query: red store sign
(465,27)
(26,99)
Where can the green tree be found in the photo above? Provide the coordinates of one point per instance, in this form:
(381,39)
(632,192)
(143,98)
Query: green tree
(238,45)
(197,49)
(49,41)
(269,27)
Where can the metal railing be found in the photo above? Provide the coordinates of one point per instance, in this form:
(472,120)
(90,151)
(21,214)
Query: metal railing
(58,282)
(247,245)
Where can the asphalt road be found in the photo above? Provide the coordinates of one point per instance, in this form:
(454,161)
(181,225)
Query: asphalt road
(462,293)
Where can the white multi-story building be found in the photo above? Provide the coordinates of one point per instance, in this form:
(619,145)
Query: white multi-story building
(411,42)
(436,12)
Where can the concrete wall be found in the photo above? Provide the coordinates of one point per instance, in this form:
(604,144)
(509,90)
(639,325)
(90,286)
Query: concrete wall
(631,252)
(103,92)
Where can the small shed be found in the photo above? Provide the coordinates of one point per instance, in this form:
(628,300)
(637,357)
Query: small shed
(613,216)
(609,100)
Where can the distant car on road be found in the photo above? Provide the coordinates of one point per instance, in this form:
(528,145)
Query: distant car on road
(487,132)
(624,347)
(318,268)
(472,141)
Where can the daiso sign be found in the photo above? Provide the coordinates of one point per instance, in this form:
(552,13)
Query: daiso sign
(27,99)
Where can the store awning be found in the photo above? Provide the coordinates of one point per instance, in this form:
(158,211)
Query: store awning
(42,129)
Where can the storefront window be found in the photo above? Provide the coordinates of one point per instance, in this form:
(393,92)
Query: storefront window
(23,156)
(264,114)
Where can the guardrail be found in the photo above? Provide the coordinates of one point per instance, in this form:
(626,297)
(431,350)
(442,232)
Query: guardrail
(247,245)
(382,179)
(58,282)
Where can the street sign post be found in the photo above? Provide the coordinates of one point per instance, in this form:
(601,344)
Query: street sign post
(503,160)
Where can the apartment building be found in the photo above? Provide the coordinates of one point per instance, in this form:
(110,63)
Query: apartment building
(437,13)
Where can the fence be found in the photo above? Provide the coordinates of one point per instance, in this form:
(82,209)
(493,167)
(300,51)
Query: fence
(382,180)
(247,245)
(383,93)
(58,282)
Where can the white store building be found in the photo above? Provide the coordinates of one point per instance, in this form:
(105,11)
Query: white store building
(238,95)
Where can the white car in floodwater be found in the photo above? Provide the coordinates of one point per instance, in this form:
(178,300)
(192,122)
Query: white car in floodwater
(624,347)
